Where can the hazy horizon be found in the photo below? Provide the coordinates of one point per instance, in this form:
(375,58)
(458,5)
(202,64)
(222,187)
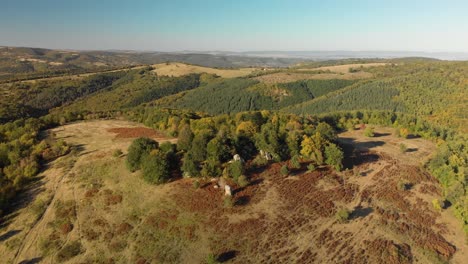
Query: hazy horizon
(243,26)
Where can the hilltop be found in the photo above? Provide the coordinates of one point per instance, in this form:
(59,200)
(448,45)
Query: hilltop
(355,160)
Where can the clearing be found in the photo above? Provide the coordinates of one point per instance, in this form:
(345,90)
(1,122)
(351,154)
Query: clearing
(286,77)
(179,69)
(98,212)
(321,73)
(346,67)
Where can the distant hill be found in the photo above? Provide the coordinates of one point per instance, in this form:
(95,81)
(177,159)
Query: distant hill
(22,63)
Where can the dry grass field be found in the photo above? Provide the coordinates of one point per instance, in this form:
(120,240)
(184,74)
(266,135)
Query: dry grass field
(95,211)
(286,77)
(330,72)
(179,69)
(346,67)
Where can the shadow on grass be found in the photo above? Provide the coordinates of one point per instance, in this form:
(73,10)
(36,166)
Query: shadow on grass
(31,261)
(227,256)
(8,234)
(242,200)
(360,212)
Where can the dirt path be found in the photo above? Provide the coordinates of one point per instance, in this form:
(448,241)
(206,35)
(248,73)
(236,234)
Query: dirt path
(91,140)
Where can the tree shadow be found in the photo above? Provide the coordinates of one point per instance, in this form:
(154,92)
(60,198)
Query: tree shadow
(360,212)
(365,173)
(412,136)
(242,200)
(32,261)
(411,150)
(381,134)
(226,256)
(9,234)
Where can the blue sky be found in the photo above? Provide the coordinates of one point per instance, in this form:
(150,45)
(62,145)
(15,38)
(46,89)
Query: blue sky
(240,25)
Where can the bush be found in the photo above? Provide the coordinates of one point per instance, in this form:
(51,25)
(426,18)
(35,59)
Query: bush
(404,185)
(311,167)
(259,161)
(228,202)
(342,215)
(334,156)
(139,148)
(437,205)
(117,153)
(284,170)
(212,259)
(295,164)
(196,184)
(369,132)
(242,181)
(403,148)
(69,251)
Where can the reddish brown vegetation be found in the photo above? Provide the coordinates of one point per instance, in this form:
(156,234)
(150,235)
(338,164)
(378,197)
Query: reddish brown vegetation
(66,228)
(304,205)
(135,132)
(111,198)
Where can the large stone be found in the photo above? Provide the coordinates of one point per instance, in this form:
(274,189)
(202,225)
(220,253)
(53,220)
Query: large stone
(227,190)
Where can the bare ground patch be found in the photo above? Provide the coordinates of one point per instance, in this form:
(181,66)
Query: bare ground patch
(286,77)
(179,69)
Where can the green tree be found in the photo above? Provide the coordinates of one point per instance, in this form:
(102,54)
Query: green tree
(326,131)
(235,169)
(312,148)
(190,166)
(155,167)
(218,150)
(334,156)
(295,162)
(200,141)
(139,148)
(184,140)
(211,168)
(284,170)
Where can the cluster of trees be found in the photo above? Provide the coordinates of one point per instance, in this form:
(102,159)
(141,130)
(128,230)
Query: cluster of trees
(207,146)
(22,154)
(156,161)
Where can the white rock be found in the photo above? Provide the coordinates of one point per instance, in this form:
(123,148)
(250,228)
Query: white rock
(227,190)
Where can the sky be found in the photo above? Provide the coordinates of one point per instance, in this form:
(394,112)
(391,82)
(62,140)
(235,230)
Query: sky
(238,25)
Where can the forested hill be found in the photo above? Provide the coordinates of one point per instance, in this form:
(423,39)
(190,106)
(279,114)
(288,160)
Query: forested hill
(435,90)
(25,63)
